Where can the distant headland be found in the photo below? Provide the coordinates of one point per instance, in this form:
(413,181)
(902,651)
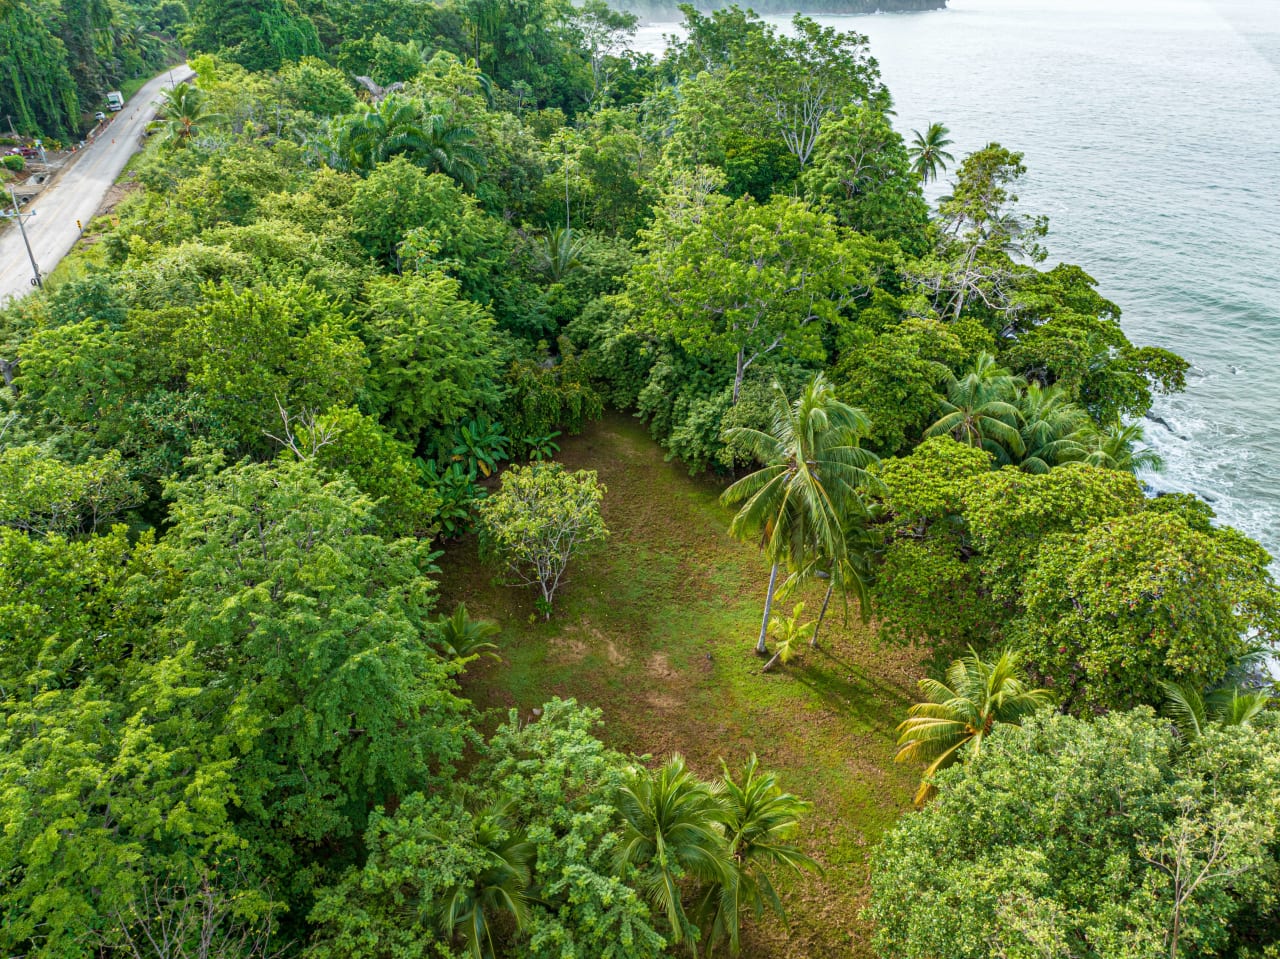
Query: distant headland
(670,9)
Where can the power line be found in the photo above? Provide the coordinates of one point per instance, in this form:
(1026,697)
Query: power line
(36,279)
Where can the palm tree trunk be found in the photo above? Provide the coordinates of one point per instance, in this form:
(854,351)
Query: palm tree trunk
(761,649)
(823,614)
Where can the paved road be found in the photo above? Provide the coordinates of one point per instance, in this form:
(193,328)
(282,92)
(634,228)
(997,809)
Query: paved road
(78,192)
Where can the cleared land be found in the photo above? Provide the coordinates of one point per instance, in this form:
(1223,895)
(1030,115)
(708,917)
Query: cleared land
(656,628)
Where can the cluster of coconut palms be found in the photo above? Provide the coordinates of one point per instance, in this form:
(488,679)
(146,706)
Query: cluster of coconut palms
(402,126)
(810,507)
(700,852)
(1035,427)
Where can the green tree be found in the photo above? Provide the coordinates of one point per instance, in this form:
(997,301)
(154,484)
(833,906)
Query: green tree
(800,81)
(254,352)
(1194,712)
(957,715)
(560,251)
(748,280)
(605,33)
(788,633)
(36,83)
(554,784)
(893,376)
(398,126)
(344,441)
(564,782)
(255,34)
(1113,610)
(860,172)
(1011,516)
(982,241)
(310,632)
(112,780)
(412,219)
(928,152)
(926,590)
(1116,447)
(499,887)
(1052,428)
(530,43)
(814,474)
(311,84)
(540,519)
(41,495)
(852,573)
(544,397)
(1089,838)
(434,356)
(460,637)
(391,128)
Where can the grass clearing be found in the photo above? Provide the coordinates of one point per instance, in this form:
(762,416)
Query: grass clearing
(656,629)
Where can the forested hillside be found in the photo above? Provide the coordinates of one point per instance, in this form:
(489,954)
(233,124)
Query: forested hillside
(310,455)
(58,58)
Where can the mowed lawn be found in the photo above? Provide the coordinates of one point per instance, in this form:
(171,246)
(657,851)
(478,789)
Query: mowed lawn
(656,629)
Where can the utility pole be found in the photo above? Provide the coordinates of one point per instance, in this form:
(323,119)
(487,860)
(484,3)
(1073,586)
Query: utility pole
(17,214)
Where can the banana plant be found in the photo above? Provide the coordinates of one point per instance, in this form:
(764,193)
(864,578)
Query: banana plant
(543,447)
(480,444)
(456,487)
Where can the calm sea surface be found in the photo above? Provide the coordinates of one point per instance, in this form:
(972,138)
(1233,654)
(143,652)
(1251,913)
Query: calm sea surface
(1151,130)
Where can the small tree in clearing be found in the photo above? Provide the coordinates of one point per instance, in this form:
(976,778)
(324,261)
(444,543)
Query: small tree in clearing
(541,518)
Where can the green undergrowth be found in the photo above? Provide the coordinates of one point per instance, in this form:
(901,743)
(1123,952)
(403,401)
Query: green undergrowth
(656,628)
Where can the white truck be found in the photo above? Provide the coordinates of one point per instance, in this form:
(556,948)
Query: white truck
(115,101)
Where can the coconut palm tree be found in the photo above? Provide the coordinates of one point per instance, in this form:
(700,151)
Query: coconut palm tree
(1117,447)
(671,832)
(462,638)
(928,152)
(182,115)
(1193,713)
(560,249)
(501,887)
(979,409)
(1051,428)
(390,128)
(760,822)
(451,150)
(395,127)
(956,715)
(850,573)
(796,505)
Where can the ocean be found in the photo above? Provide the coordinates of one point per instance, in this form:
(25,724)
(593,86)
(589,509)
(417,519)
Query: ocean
(1151,134)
